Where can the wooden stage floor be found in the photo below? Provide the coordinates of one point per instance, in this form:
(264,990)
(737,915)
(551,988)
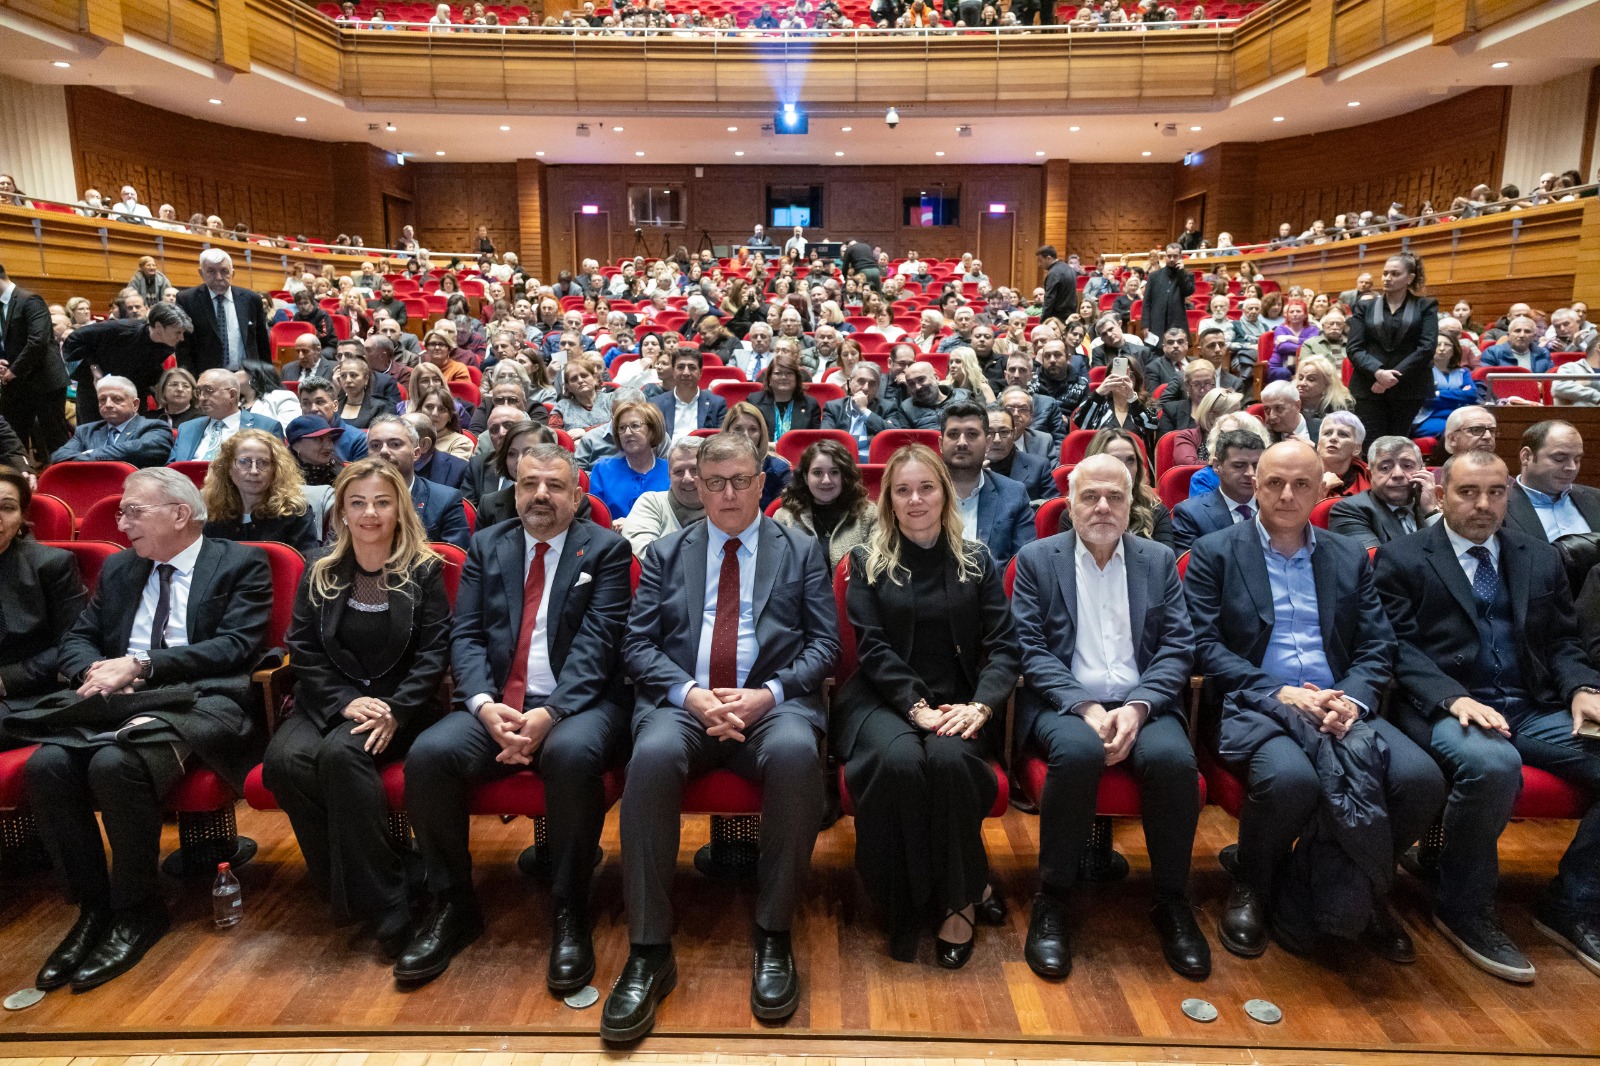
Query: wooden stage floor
(286,978)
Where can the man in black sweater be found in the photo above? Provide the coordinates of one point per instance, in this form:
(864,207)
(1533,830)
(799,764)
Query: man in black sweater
(1060,285)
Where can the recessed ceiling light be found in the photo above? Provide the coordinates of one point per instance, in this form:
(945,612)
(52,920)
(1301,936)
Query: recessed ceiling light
(1277,118)
(938,153)
(1144,153)
(214,100)
(846,129)
(505,129)
(1353,103)
(638,153)
(1194,129)
(538,153)
(838,153)
(1074,129)
(738,153)
(299,118)
(63,64)
(733,129)
(1038,153)
(1497,66)
(616,129)
(389,128)
(438,153)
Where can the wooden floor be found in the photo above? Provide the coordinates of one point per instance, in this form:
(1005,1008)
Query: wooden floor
(286,974)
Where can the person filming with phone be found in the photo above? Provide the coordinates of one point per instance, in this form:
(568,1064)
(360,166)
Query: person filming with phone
(1121,402)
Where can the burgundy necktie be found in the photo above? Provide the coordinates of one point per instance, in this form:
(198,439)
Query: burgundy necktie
(725,630)
(532,592)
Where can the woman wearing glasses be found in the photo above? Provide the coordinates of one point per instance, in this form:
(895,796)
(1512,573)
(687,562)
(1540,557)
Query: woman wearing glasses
(254,491)
(617,482)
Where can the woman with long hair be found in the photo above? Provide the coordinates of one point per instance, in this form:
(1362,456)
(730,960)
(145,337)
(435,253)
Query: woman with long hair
(747,418)
(306,310)
(1148,517)
(370,641)
(499,499)
(828,500)
(174,393)
(1120,402)
(1392,343)
(254,491)
(41,596)
(966,374)
(917,724)
(1189,446)
(440,407)
(261,393)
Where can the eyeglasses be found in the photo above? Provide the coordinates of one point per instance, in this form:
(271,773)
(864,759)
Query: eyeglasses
(1478,431)
(1000,433)
(1019,408)
(133,512)
(740,482)
(632,427)
(248,465)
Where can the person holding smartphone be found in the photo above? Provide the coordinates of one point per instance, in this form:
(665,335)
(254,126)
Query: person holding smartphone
(1403,497)
(1120,402)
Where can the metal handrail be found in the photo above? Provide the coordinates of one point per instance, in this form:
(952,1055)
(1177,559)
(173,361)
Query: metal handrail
(1063,29)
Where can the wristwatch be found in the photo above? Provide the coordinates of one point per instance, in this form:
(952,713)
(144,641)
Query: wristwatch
(143,659)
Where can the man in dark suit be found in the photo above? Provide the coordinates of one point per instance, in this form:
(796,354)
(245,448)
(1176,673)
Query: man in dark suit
(696,407)
(161,659)
(554,699)
(994,509)
(1545,499)
(133,348)
(441,468)
(1003,457)
(1402,500)
(1283,611)
(1106,651)
(1025,409)
(482,477)
(1491,674)
(217,396)
(859,412)
(230,325)
(1060,285)
(319,397)
(121,435)
(732,633)
(1166,292)
(393,438)
(33,379)
(1235,459)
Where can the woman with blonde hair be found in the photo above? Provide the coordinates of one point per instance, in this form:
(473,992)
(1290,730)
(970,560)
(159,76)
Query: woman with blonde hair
(917,724)
(746,418)
(1190,446)
(1320,386)
(254,491)
(370,641)
(966,374)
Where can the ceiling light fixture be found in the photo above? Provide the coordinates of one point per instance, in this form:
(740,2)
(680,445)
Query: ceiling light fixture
(738,153)
(299,118)
(438,153)
(616,129)
(505,129)
(733,129)
(1038,153)
(1277,118)
(1353,103)
(638,153)
(214,100)
(61,63)
(838,153)
(846,129)
(538,153)
(389,128)
(1074,129)
(938,153)
(1144,153)
(1501,65)
(1194,129)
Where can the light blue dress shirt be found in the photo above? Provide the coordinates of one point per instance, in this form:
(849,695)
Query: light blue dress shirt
(749,542)
(1295,654)
(1558,514)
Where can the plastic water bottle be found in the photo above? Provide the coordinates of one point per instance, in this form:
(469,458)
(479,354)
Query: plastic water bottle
(227,899)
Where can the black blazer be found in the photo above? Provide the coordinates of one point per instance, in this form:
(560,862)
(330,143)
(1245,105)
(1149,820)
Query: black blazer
(30,345)
(41,596)
(838,414)
(1230,604)
(1427,596)
(202,349)
(807,414)
(1369,521)
(884,617)
(589,593)
(1521,516)
(1403,342)
(413,657)
(299,531)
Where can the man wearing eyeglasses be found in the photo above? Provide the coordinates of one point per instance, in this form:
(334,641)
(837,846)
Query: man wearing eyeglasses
(1003,457)
(159,667)
(217,396)
(732,632)
(1468,429)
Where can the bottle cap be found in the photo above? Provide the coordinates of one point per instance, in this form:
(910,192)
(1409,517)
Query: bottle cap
(222,866)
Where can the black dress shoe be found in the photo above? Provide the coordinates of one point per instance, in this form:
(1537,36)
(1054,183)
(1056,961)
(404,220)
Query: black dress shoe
(774,981)
(992,911)
(1182,942)
(571,952)
(1243,926)
(133,933)
(454,924)
(84,936)
(1048,950)
(630,1010)
(951,955)
(1387,937)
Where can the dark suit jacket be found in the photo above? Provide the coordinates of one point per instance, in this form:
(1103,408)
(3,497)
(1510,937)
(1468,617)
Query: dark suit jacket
(1045,602)
(444,469)
(1404,343)
(120,346)
(838,414)
(1369,522)
(1005,518)
(807,413)
(1199,515)
(1430,603)
(404,669)
(1521,516)
(885,617)
(441,512)
(589,592)
(13,452)
(1032,472)
(1230,603)
(143,442)
(30,346)
(797,626)
(203,349)
(192,433)
(41,596)
(710,407)
(1060,291)
(481,478)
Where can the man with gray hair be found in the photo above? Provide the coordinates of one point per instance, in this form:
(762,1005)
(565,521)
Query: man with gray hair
(1280,411)
(122,434)
(158,673)
(1519,348)
(1330,343)
(216,395)
(1568,332)
(1402,500)
(230,324)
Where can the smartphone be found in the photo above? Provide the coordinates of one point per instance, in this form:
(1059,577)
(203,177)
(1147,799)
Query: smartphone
(1589,729)
(1119,366)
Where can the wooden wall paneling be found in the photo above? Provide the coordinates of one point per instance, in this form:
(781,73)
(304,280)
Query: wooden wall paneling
(533,222)
(454,199)
(1119,207)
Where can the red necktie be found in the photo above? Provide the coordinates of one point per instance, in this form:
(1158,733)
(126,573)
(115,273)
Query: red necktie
(725,629)
(532,592)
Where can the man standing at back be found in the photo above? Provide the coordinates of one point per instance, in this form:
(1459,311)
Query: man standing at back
(33,379)
(230,325)
(727,674)
(1060,285)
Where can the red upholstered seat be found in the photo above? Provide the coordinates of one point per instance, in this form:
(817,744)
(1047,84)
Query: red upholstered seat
(1226,790)
(889,441)
(521,794)
(50,518)
(1544,795)
(11,782)
(199,790)
(721,792)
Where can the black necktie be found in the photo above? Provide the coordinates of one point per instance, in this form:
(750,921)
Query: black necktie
(158,625)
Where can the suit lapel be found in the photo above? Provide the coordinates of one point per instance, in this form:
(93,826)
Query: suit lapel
(1138,565)
(1514,572)
(1588,504)
(127,604)
(772,547)
(567,568)
(510,551)
(1252,560)
(1443,557)
(1066,569)
(205,575)
(1324,573)
(692,558)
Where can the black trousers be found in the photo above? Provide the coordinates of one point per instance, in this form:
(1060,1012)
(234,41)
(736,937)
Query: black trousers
(456,754)
(1169,792)
(920,800)
(781,750)
(65,785)
(332,792)
(1388,415)
(40,418)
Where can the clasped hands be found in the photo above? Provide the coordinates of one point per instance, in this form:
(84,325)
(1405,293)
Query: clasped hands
(372,717)
(110,676)
(1384,380)
(728,712)
(950,719)
(519,733)
(1329,709)
(1117,729)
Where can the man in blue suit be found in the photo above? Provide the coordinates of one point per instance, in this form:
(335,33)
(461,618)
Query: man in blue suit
(217,396)
(1106,651)
(1006,459)
(391,437)
(688,407)
(442,468)
(732,633)
(994,509)
(1519,348)
(319,397)
(1234,500)
(121,435)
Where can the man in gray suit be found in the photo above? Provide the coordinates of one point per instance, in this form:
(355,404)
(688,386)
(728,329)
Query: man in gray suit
(733,631)
(1402,500)
(1102,686)
(122,434)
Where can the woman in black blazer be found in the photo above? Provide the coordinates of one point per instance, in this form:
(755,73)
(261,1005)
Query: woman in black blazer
(369,641)
(917,723)
(782,402)
(357,405)
(41,596)
(1391,350)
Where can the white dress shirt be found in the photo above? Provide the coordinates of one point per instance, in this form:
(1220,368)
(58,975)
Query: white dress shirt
(1103,657)
(749,543)
(177,631)
(210,441)
(686,416)
(967,508)
(1461,545)
(541,678)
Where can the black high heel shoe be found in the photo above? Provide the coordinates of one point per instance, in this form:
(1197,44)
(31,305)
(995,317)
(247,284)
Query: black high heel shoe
(992,909)
(953,956)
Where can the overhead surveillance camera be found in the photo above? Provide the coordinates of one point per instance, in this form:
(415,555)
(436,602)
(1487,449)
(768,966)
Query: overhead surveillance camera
(892,117)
